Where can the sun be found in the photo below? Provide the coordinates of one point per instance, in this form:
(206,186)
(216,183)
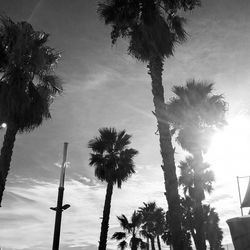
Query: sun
(229,150)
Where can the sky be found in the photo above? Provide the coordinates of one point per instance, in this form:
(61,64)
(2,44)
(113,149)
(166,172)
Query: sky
(103,86)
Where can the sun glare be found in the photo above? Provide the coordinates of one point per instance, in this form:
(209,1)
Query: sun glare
(230,148)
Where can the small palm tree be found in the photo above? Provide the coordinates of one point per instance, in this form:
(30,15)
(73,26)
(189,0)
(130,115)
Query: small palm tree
(154,222)
(195,113)
(214,233)
(131,230)
(153,29)
(113,162)
(187,179)
(27,85)
(194,193)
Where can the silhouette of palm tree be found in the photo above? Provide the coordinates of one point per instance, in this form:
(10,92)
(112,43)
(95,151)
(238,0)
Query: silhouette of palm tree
(195,113)
(214,233)
(132,230)
(153,28)
(27,85)
(154,222)
(113,162)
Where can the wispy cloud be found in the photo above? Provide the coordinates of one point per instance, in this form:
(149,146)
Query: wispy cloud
(27,222)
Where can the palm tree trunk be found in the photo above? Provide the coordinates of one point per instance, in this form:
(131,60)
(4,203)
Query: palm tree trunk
(147,243)
(133,245)
(158,242)
(105,218)
(152,239)
(200,241)
(5,157)
(167,152)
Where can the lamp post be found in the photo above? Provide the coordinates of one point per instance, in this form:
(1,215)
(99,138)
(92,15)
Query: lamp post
(59,208)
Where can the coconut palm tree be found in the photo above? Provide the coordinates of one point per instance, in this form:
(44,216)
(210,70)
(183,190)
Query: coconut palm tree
(132,230)
(153,28)
(113,162)
(195,113)
(27,85)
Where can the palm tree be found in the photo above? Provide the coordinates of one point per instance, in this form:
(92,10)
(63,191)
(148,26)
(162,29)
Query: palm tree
(27,84)
(132,230)
(187,179)
(154,222)
(113,162)
(195,113)
(194,193)
(167,236)
(214,233)
(153,28)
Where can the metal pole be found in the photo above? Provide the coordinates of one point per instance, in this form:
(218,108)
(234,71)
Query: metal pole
(60,201)
(239,195)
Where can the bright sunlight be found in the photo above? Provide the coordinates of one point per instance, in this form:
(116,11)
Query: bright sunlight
(230,148)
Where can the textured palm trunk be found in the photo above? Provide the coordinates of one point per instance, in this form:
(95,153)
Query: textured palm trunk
(105,218)
(152,239)
(133,245)
(200,241)
(158,242)
(147,243)
(167,152)
(5,157)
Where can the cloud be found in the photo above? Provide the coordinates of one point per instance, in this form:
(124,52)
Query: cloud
(27,222)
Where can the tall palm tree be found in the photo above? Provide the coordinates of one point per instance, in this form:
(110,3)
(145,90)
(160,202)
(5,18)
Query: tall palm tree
(195,113)
(113,162)
(132,230)
(153,28)
(27,85)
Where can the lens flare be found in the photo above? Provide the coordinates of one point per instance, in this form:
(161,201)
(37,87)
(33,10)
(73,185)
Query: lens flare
(230,148)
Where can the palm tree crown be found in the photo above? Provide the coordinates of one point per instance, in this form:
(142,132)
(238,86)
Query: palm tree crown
(112,160)
(154,222)
(187,177)
(195,112)
(28,84)
(152,27)
(132,230)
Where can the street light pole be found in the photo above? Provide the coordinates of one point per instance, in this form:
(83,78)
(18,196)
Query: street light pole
(59,207)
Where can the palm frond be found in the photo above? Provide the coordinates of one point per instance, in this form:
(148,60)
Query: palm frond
(122,245)
(136,219)
(118,236)
(52,82)
(124,222)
